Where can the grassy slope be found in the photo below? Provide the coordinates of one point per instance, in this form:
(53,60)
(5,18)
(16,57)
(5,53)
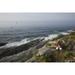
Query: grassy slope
(66,55)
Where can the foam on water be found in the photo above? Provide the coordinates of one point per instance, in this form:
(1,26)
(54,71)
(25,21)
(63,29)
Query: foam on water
(13,44)
(26,40)
(19,43)
(50,37)
(64,33)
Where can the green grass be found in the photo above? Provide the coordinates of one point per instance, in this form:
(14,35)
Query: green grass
(66,55)
(56,56)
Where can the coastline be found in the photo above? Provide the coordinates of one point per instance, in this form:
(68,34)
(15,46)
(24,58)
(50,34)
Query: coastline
(28,50)
(26,40)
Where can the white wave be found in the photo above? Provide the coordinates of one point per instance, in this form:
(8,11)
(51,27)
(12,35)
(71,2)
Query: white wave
(70,31)
(50,37)
(24,41)
(13,44)
(64,33)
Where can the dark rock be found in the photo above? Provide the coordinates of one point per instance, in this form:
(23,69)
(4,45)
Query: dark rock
(2,44)
(14,50)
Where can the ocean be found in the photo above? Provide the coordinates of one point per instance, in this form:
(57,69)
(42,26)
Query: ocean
(19,36)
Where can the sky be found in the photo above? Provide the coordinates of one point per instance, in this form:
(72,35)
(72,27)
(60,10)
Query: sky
(36,19)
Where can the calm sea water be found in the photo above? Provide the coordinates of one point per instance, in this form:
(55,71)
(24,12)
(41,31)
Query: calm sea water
(13,35)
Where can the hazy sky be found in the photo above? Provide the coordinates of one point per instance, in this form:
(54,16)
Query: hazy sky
(38,19)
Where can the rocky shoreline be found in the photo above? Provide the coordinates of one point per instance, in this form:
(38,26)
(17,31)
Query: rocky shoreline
(2,44)
(38,51)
